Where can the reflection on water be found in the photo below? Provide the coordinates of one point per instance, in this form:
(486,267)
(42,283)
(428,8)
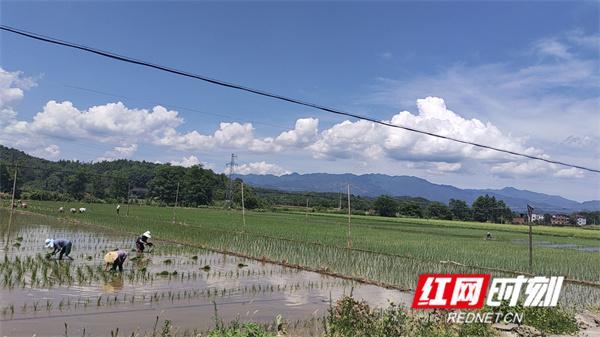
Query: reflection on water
(114,285)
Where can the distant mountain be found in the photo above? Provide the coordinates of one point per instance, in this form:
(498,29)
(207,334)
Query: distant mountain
(373,185)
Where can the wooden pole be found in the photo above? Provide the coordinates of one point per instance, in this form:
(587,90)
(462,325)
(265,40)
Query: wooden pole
(530,248)
(176,200)
(128,198)
(530,221)
(12,203)
(349,220)
(243,208)
(306,212)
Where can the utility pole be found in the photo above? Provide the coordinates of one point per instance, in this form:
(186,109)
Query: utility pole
(529,220)
(243,209)
(12,203)
(340,204)
(349,220)
(306,212)
(176,200)
(231,166)
(128,198)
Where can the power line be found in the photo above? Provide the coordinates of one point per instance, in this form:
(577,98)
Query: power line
(272,95)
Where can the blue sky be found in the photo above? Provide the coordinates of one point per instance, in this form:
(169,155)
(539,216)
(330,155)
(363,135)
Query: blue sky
(523,76)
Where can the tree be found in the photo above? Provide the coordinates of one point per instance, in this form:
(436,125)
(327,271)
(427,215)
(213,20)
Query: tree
(251,200)
(164,184)
(437,210)
(386,206)
(410,208)
(198,186)
(5,179)
(460,210)
(119,188)
(486,208)
(547,219)
(75,184)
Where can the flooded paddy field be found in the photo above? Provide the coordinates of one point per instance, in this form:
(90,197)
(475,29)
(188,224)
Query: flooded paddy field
(188,286)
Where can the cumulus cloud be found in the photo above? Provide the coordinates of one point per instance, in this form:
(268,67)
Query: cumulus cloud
(261,168)
(119,152)
(186,161)
(448,167)
(569,173)
(305,132)
(228,135)
(51,151)
(372,141)
(12,86)
(110,122)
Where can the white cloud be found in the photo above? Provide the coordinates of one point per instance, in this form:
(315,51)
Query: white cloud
(186,161)
(12,86)
(569,173)
(591,41)
(112,122)
(51,151)
(552,47)
(119,152)
(229,135)
(448,167)
(261,168)
(304,133)
(521,168)
(368,140)
(582,142)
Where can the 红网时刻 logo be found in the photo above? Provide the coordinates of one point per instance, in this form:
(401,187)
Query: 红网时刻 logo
(472,291)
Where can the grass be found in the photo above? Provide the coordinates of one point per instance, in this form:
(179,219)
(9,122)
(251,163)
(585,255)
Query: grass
(404,247)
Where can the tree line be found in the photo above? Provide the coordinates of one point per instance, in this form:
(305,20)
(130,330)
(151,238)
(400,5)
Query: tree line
(163,184)
(484,209)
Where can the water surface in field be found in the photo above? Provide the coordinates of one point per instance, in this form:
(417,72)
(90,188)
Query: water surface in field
(547,244)
(174,282)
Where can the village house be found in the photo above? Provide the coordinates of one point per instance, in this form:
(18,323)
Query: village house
(581,220)
(519,219)
(559,220)
(539,218)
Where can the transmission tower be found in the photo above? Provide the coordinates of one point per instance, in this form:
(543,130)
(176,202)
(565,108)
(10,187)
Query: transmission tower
(231,166)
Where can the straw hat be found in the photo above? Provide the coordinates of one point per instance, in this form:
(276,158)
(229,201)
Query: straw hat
(147,234)
(110,257)
(49,243)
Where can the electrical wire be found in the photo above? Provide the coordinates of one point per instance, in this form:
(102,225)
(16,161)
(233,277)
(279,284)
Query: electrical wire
(273,95)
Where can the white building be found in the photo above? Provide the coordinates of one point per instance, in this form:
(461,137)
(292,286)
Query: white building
(581,221)
(537,217)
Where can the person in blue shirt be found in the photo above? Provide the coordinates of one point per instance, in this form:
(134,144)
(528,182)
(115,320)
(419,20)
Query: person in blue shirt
(62,246)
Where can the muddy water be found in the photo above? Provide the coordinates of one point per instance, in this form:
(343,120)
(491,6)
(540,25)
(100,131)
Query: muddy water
(176,283)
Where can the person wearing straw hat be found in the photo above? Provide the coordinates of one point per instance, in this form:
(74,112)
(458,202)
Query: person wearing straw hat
(142,241)
(116,258)
(60,245)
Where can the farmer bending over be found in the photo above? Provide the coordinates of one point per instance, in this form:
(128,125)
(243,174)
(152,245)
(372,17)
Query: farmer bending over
(62,246)
(142,242)
(116,258)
